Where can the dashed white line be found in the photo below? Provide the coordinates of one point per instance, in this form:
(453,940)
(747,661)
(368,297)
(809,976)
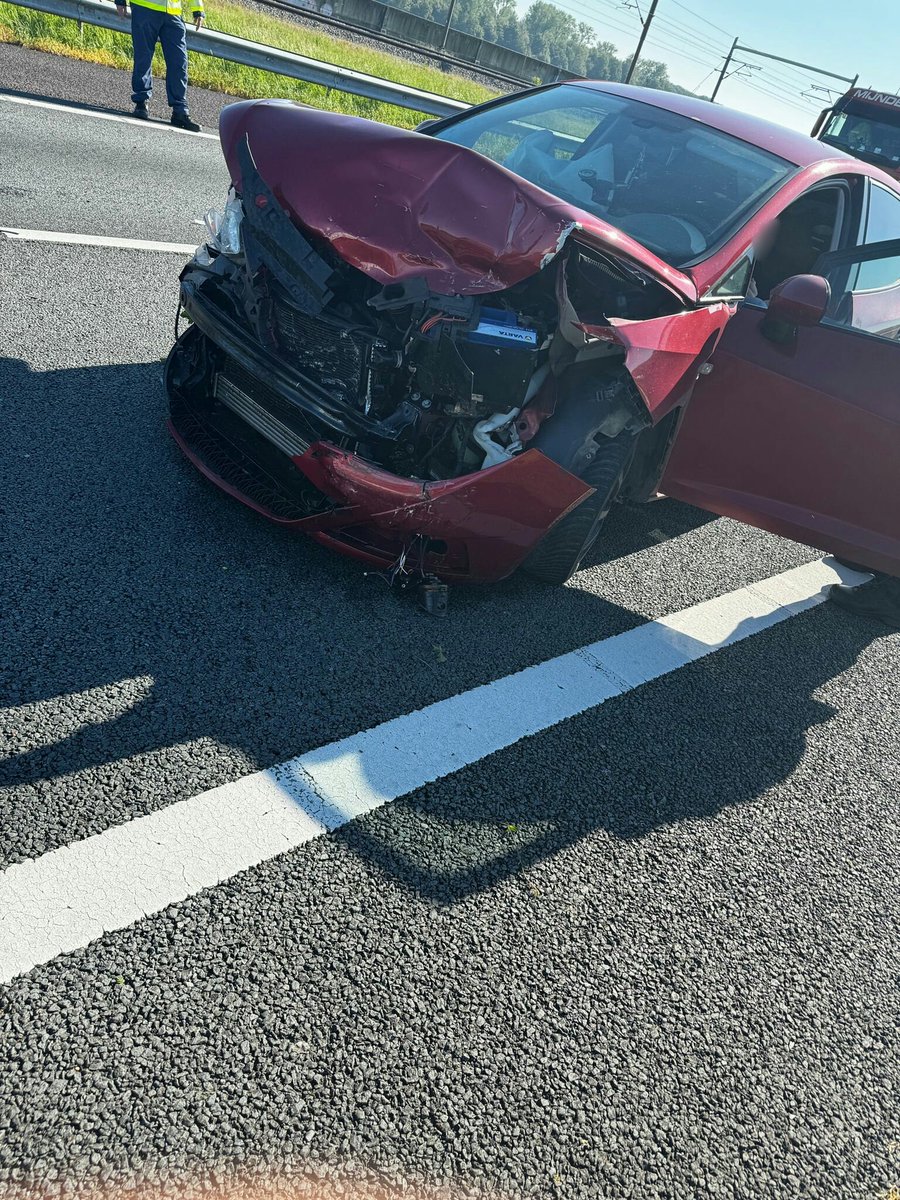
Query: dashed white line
(91,239)
(68,897)
(104,116)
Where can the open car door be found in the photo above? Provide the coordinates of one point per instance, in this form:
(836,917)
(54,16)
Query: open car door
(797,429)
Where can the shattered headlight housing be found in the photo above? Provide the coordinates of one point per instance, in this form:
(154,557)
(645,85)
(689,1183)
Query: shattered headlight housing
(224,229)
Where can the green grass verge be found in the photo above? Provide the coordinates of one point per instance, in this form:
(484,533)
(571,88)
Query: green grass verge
(42,31)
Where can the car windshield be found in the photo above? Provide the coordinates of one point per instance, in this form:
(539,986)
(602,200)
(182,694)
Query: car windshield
(675,185)
(874,141)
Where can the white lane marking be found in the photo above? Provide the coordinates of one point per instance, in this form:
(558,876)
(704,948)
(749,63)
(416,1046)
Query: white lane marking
(68,897)
(104,116)
(91,239)
(26,725)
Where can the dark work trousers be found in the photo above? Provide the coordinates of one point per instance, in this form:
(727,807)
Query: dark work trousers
(147,28)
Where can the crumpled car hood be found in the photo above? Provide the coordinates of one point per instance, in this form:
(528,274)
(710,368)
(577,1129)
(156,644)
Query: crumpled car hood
(398,204)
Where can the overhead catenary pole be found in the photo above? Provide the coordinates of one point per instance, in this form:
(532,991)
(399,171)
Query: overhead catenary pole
(447,26)
(724,72)
(791,62)
(642,39)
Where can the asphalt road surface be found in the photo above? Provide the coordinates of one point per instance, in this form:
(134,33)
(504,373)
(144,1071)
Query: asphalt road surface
(650,952)
(37,75)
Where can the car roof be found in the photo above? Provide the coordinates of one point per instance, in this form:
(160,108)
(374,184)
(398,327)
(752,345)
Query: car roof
(797,148)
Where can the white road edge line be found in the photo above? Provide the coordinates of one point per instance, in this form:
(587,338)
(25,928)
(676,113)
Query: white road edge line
(71,896)
(91,239)
(104,116)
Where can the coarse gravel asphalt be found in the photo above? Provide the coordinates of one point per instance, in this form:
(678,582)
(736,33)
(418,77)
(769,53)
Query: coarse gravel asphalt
(651,953)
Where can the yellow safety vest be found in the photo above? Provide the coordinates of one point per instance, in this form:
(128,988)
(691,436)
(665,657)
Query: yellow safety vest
(172,7)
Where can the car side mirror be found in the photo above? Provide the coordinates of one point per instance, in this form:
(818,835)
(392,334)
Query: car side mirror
(800,300)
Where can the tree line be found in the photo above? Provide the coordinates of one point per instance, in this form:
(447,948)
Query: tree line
(545,32)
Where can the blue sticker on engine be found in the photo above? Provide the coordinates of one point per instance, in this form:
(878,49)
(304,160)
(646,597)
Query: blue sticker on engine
(504,335)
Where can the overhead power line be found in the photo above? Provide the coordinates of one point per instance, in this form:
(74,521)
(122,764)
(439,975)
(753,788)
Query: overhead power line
(657,45)
(681,30)
(699,17)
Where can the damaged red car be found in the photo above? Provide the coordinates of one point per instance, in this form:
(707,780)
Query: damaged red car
(448,352)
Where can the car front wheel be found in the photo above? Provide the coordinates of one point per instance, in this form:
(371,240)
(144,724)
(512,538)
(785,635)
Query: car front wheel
(559,554)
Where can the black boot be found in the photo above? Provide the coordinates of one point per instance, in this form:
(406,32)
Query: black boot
(140,111)
(878,600)
(182,120)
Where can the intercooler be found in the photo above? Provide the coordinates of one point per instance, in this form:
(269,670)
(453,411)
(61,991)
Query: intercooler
(263,421)
(276,419)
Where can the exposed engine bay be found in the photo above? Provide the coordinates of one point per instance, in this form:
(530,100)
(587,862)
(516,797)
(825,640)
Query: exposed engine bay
(439,386)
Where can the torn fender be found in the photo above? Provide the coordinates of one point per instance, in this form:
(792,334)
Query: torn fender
(663,355)
(398,204)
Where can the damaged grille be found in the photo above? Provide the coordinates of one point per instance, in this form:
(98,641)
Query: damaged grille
(239,470)
(258,404)
(254,414)
(324,353)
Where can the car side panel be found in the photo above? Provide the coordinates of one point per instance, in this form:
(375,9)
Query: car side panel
(802,439)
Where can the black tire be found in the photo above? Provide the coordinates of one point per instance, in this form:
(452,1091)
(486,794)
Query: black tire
(855,566)
(558,555)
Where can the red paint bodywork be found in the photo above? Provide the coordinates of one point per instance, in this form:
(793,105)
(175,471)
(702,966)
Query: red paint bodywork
(489,521)
(663,355)
(801,439)
(398,204)
(779,436)
(800,300)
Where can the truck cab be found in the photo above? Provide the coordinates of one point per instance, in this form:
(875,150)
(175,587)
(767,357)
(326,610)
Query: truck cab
(866,124)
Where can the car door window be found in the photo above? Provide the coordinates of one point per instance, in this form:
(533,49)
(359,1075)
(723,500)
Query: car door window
(735,283)
(794,241)
(854,303)
(880,224)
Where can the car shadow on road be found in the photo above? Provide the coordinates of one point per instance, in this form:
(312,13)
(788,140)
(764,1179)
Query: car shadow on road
(218,644)
(722,731)
(628,530)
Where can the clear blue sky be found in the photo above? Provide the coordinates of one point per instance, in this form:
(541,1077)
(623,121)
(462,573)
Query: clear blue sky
(693,36)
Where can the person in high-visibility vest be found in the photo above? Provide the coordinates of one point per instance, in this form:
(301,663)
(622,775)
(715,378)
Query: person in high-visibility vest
(161,22)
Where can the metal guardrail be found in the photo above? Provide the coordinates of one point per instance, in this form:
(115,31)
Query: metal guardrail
(265,58)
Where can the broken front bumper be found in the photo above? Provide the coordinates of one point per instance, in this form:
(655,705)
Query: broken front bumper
(259,431)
